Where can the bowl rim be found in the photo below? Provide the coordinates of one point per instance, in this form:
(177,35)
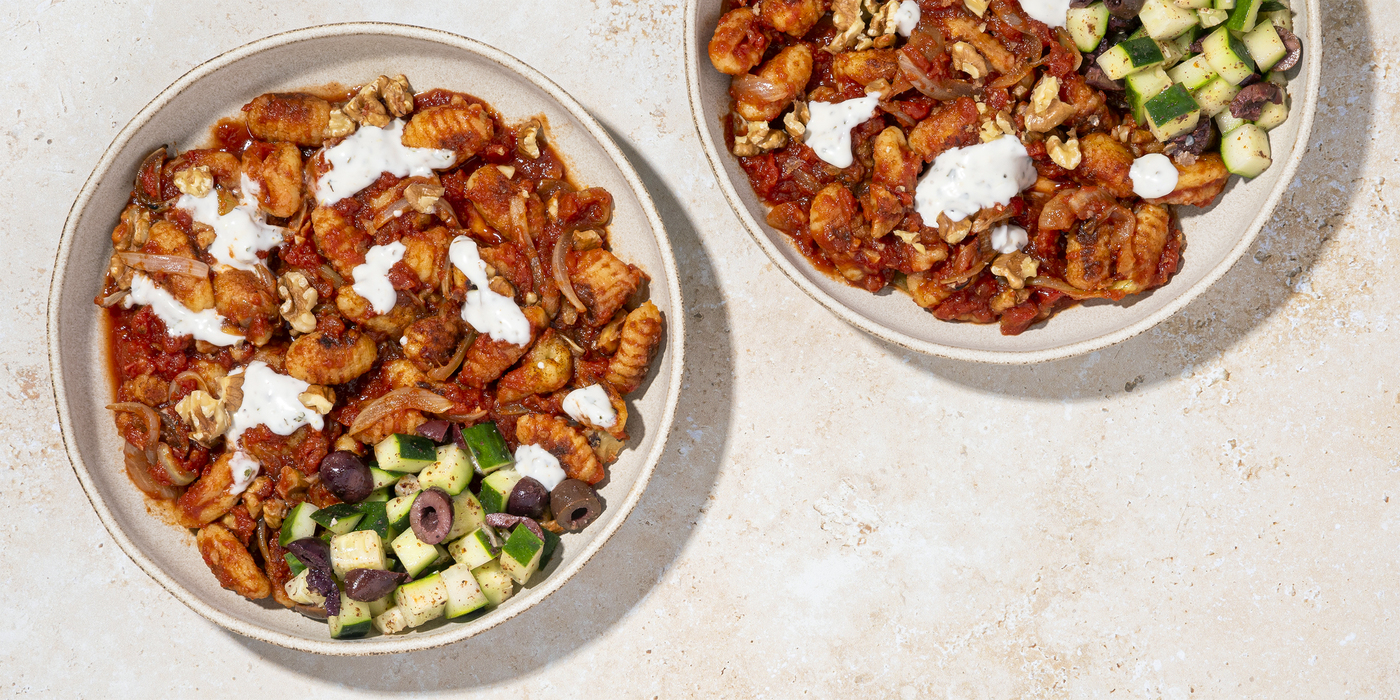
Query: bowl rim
(377,645)
(757,231)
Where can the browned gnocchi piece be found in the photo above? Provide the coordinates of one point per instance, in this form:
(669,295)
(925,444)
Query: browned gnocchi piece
(787,73)
(463,129)
(318,358)
(603,283)
(231,562)
(738,43)
(295,117)
(562,440)
(641,335)
(278,176)
(793,17)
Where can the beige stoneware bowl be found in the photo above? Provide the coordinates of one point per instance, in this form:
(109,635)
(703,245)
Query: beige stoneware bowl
(348,54)
(1215,238)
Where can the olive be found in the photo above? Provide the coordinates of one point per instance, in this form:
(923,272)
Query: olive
(576,505)
(435,430)
(529,498)
(366,585)
(505,520)
(346,476)
(320,580)
(431,516)
(311,551)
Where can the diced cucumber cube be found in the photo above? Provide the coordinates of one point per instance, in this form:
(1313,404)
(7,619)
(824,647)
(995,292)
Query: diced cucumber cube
(1131,56)
(496,488)
(494,582)
(423,600)
(487,447)
(467,515)
(1245,15)
(1143,86)
(375,518)
(463,592)
(379,495)
(357,550)
(1193,4)
(474,549)
(1277,78)
(1228,56)
(1165,20)
(1212,18)
(383,479)
(405,453)
(298,524)
(1246,151)
(413,553)
(391,621)
(353,621)
(452,471)
(397,510)
(1088,25)
(1272,116)
(1172,113)
(1224,4)
(1283,19)
(1193,74)
(377,607)
(520,557)
(300,591)
(1265,46)
(339,518)
(293,563)
(1182,44)
(1228,122)
(1216,96)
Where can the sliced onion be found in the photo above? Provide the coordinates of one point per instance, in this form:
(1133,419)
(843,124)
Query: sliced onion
(172,264)
(1017,75)
(444,211)
(139,469)
(561,275)
(440,374)
(114,298)
(187,374)
(147,414)
(1064,288)
(264,275)
(393,212)
(751,88)
(332,275)
(937,89)
(178,475)
(468,418)
(1009,16)
(397,400)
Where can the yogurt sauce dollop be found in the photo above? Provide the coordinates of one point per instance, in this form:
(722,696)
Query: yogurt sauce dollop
(363,156)
(206,325)
(1051,12)
(1153,175)
(240,234)
(829,128)
(372,278)
(590,404)
(964,181)
(538,464)
(269,399)
(907,17)
(486,311)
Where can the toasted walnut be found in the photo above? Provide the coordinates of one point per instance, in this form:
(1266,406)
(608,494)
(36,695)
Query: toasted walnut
(120,272)
(989,131)
(528,142)
(298,298)
(1009,298)
(320,399)
(339,125)
(231,391)
(1046,111)
(967,60)
(204,234)
(587,240)
(509,172)
(1015,268)
(978,7)
(207,416)
(753,138)
(845,13)
(423,196)
(195,182)
(502,286)
(953,232)
(1064,153)
(882,21)
(366,109)
(345,443)
(397,95)
(795,122)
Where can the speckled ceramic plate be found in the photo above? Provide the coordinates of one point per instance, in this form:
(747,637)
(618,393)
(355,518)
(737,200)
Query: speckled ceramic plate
(1216,237)
(348,54)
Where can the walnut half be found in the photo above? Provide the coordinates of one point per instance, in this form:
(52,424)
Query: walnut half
(753,138)
(195,182)
(1015,268)
(1064,153)
(1046,111)
(320,399)
(298,298)
(207,416)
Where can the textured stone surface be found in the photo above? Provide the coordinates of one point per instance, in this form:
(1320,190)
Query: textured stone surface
(1203,511)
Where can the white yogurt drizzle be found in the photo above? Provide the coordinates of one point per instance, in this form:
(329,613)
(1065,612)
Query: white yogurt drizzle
(363,156)
(829,129)
(590,405)
(240,234)
(907,17)
(1153,176)
(1052,12)
(372,278)
(488,312)
(269,399)
(964,181)
(206,325)
(538,464)
(1009,238)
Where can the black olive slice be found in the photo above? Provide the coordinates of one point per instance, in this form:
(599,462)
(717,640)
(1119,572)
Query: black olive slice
(366,585)
(529,498)
(431,516)
(311,551)
(576,505)
(505,520)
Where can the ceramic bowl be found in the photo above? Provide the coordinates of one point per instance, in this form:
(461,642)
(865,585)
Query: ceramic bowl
(348,54)
(1216,237)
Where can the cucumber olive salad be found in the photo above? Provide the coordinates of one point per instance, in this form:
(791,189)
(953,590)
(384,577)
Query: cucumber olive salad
(1195,60)
(374,349)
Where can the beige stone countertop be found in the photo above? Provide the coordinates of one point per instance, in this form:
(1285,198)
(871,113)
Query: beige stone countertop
(1210,510)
